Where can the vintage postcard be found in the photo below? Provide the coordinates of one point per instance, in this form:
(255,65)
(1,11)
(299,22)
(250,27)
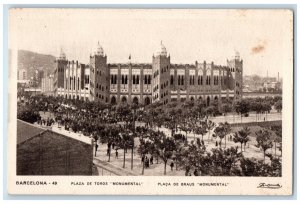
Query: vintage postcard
(150,101)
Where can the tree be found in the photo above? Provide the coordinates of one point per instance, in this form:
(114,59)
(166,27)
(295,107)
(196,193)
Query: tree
(278,106)
(226,108)
(225,162)
(28,115)
(242,137)
(185,124)
(195,157)
(111,135)
(166,147)
(227,130)
(124,141)
(220,132)
(278,138)
(210,126)
(171,121)
(145,146)
(201,129)
(266,106)
(263,138)
(241,106)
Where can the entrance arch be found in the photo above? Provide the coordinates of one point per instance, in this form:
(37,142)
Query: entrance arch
(113,100)
(135,100)
(124,99)
(147,101)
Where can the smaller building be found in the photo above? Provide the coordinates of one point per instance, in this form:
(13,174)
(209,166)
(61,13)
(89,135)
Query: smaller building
(47,85)
(42,151)
(22,74)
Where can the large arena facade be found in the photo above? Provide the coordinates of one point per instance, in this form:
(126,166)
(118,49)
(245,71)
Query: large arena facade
(147,83)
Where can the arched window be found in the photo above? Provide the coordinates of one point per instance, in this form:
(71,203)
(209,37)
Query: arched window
(208,101)
(78,84)
(74,81)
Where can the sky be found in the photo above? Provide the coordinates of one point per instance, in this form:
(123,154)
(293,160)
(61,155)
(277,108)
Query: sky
(264,38)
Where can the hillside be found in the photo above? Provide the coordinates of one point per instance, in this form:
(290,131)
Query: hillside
(31,61)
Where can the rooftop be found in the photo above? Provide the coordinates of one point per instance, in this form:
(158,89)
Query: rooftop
(26,131)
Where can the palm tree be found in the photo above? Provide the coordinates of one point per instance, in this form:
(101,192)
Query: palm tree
(242,136)
(264,141)
(226,130)
(220,132)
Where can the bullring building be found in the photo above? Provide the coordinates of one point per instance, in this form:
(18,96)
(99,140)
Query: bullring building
(147,83)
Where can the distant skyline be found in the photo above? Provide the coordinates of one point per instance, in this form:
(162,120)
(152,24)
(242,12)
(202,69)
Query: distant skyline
(262,37)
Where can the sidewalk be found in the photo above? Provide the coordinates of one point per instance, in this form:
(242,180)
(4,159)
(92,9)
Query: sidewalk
(118,171)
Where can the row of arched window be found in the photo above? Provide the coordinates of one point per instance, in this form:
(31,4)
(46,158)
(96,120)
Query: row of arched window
(72,81)
(164,94)
(181,80)
(135,79)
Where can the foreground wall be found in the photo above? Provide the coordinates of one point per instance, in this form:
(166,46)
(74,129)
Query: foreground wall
(51,153)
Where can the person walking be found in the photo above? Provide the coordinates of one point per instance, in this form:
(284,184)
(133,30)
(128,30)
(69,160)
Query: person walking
(148,163)
(151,159)
(117,154)
(172,165)
(96,148)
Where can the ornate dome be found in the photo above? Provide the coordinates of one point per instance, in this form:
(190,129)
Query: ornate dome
(62,55)
(99,50)
(237,55)
(162,50)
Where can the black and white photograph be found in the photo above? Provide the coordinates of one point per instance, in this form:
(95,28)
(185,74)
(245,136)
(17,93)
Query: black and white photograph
(197,95)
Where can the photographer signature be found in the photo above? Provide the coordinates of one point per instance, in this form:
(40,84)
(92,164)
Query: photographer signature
(267,185)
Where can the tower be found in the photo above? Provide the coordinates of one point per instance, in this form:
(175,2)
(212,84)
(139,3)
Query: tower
(99,76)
(161,76)
(59,72)
(236,71)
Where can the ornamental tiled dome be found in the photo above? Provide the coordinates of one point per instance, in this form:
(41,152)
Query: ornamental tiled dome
(162,51)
